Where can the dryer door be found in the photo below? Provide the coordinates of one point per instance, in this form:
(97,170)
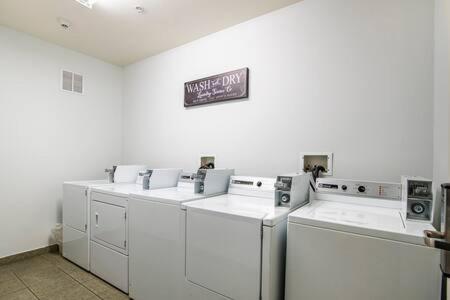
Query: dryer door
(108,224)
(223,253)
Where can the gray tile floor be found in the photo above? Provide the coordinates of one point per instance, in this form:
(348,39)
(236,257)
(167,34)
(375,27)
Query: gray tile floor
(50,276)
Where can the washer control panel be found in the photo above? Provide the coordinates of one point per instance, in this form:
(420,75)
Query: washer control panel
(417,198)
(359,188)
(292,190)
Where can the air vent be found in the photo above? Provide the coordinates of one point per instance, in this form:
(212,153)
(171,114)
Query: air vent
(72,82)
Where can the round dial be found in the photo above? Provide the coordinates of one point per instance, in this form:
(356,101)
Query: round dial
(418,208)
(344,187)
(285,198)
(259,183)
(361,189)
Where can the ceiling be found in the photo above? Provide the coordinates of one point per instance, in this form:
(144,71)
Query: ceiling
(114,31)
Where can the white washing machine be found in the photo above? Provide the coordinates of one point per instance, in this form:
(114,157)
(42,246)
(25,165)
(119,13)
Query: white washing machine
(235,243)
(76,207)
(352,243)
(156,223)
(109,229)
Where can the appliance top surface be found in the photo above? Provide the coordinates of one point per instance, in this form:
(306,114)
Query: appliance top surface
(378,221)
(173,195)
(255,208)
(88,183)
(119,189)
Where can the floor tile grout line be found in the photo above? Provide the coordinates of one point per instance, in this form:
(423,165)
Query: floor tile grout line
(55,265)
(61,269)
(93,292)
(9,293)
(67,271)
(79,282)
(25,285)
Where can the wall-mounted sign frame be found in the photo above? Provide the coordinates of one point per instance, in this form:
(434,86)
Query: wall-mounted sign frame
(222,87)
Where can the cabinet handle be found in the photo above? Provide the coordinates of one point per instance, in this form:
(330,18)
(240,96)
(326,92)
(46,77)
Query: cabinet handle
(96,219)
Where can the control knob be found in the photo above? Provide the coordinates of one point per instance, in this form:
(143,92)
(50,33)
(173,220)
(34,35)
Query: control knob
(285,198)
(361,189)
(418,208)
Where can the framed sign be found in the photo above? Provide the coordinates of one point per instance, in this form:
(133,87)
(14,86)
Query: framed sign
(222,87)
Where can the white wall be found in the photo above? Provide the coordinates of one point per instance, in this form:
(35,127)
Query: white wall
(441,153)
(48,136)
(354,77)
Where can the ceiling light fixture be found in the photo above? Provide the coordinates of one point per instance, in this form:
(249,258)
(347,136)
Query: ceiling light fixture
(87,3)
(140,9)
(64,23)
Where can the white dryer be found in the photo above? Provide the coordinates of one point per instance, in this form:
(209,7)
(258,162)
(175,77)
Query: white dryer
(109,226)
(156,221)
(76,220)
(235,243)
(352,243)
(76,207)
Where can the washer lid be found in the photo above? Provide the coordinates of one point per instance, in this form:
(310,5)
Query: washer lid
(174,195)
(360,219)
(118,189)
(239,206)
(87,183)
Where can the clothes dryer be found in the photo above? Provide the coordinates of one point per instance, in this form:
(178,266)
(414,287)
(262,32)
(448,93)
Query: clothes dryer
(76,212)
(109,229)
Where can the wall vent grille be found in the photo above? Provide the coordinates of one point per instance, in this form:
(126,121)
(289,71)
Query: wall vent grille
(72,82)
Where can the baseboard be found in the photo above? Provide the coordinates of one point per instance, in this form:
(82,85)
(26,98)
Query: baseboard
(28,254)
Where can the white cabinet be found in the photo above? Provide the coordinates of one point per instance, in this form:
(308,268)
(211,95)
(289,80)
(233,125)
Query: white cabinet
(76,246)
(75,224)
(75,207)
(110,265)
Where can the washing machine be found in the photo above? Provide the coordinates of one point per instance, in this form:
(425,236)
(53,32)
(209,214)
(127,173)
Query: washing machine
(352,242)
(235,243)
(156,222)
(109,226)
(76,207)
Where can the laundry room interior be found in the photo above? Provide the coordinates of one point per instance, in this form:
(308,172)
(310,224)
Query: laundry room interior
(206,150)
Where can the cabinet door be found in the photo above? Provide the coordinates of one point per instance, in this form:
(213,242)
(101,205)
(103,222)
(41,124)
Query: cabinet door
(108,224)
(110,266)
(75,207)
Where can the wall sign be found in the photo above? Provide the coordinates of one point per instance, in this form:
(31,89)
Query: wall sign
(222,87)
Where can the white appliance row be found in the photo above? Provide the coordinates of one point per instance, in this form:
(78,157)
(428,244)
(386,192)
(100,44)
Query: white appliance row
(196,241)
(231,246)
(95,221)
(157,233)
(76,213)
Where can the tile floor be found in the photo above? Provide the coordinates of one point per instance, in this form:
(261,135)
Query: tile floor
(50,276)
